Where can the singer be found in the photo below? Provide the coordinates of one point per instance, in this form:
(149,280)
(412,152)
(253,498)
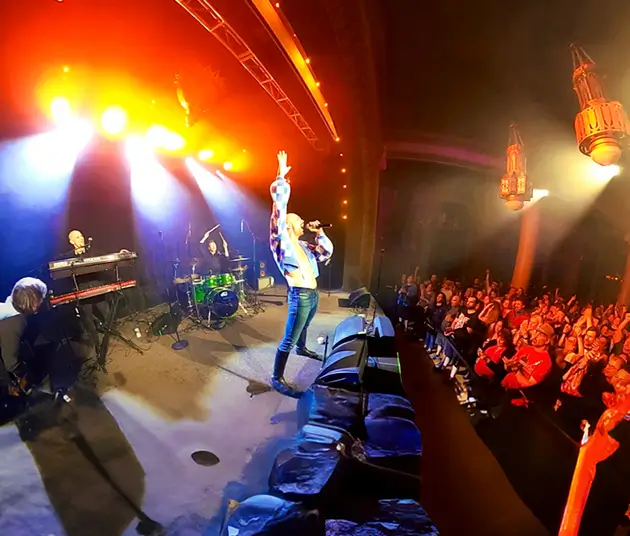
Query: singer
(297,261)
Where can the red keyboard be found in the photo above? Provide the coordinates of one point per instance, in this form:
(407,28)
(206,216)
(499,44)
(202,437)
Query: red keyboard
(55,301)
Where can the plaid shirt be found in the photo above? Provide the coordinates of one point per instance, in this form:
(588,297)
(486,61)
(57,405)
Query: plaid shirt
(281,246)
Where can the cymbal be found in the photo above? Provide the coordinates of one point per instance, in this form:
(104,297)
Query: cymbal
(194,260)
(239,269)
(181,280)
(240,259)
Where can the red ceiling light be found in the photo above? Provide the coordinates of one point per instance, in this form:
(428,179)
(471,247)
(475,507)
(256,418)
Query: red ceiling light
(515,188)
(601,124)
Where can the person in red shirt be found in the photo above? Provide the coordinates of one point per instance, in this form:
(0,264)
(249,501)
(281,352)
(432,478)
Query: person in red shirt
(517,315)
(531,364)
(489,364)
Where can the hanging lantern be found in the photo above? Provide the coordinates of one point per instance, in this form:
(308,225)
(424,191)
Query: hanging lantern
(515,188)
(601,125)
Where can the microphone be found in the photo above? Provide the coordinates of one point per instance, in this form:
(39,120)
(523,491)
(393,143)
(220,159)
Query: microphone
(323,226)
(89,244)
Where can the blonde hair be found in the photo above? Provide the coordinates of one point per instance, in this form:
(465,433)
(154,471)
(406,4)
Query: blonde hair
(28,294)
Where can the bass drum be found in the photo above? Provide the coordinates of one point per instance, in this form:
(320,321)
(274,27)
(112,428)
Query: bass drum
(223,302)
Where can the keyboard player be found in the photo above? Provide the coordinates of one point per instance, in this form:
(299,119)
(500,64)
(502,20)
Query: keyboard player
(94,312)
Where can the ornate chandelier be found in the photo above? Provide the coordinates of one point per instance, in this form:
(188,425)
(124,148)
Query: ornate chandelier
(601,125)
(515,188)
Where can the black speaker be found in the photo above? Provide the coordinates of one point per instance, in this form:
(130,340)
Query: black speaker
(166,324)
(359,299)
(313,466)
(353,327)
(383,327)
(344,366)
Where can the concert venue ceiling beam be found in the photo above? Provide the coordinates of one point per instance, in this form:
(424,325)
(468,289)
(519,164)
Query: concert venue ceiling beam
(442,152)
(286,39)
(206,15)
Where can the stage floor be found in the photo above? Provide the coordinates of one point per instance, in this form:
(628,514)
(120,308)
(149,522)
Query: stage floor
(144,421)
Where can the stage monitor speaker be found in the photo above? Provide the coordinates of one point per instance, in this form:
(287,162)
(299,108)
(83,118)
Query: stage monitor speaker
(313,466)
(344,367)
(383,327)
(359,299)
(353,327)
(383,341)
(166,324)
(265,283)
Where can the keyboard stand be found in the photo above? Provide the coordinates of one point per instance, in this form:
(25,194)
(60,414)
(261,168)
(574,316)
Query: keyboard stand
(109,331)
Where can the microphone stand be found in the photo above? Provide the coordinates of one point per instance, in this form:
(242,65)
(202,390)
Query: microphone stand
(179,344)
(329,264)
(378,281)
(254,266)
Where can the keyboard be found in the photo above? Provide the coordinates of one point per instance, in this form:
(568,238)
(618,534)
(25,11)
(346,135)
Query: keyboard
(90,265)
(56,301)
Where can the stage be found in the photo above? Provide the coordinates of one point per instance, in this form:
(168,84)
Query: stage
(145,419)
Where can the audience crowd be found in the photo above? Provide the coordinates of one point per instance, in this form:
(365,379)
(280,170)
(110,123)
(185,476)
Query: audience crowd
(569,357)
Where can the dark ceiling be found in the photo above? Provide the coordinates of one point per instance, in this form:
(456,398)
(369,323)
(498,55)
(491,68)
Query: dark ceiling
(467,69)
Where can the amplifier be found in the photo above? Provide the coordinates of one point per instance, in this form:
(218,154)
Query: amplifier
(265,283)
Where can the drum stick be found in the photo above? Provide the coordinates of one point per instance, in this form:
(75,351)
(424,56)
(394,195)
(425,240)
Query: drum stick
(205,237)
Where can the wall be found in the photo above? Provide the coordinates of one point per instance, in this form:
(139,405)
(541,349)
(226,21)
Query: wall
(443,219)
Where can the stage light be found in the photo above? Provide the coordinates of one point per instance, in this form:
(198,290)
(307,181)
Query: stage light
(56,152)
(155,192)
(205,155)
(345,186)
(337,140)
(60,111)
(345,201)
(344,217)
(228,166)
(308,61)
(538,194)
(603,174)
(114,120)
(66,69)
(160,137)
(343,170)
(317,84)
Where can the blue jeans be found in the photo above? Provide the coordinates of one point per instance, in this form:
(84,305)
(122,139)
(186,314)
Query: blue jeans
(303,304)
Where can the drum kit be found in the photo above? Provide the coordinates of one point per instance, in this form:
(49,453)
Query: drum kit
(215,298)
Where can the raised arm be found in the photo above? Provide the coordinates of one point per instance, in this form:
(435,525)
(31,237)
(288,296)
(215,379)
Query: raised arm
(280,192)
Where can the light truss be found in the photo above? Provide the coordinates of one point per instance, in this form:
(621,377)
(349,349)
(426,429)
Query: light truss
(206,15)
(286,39)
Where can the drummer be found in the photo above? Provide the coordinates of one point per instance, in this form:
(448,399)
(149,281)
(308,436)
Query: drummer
(213,260)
